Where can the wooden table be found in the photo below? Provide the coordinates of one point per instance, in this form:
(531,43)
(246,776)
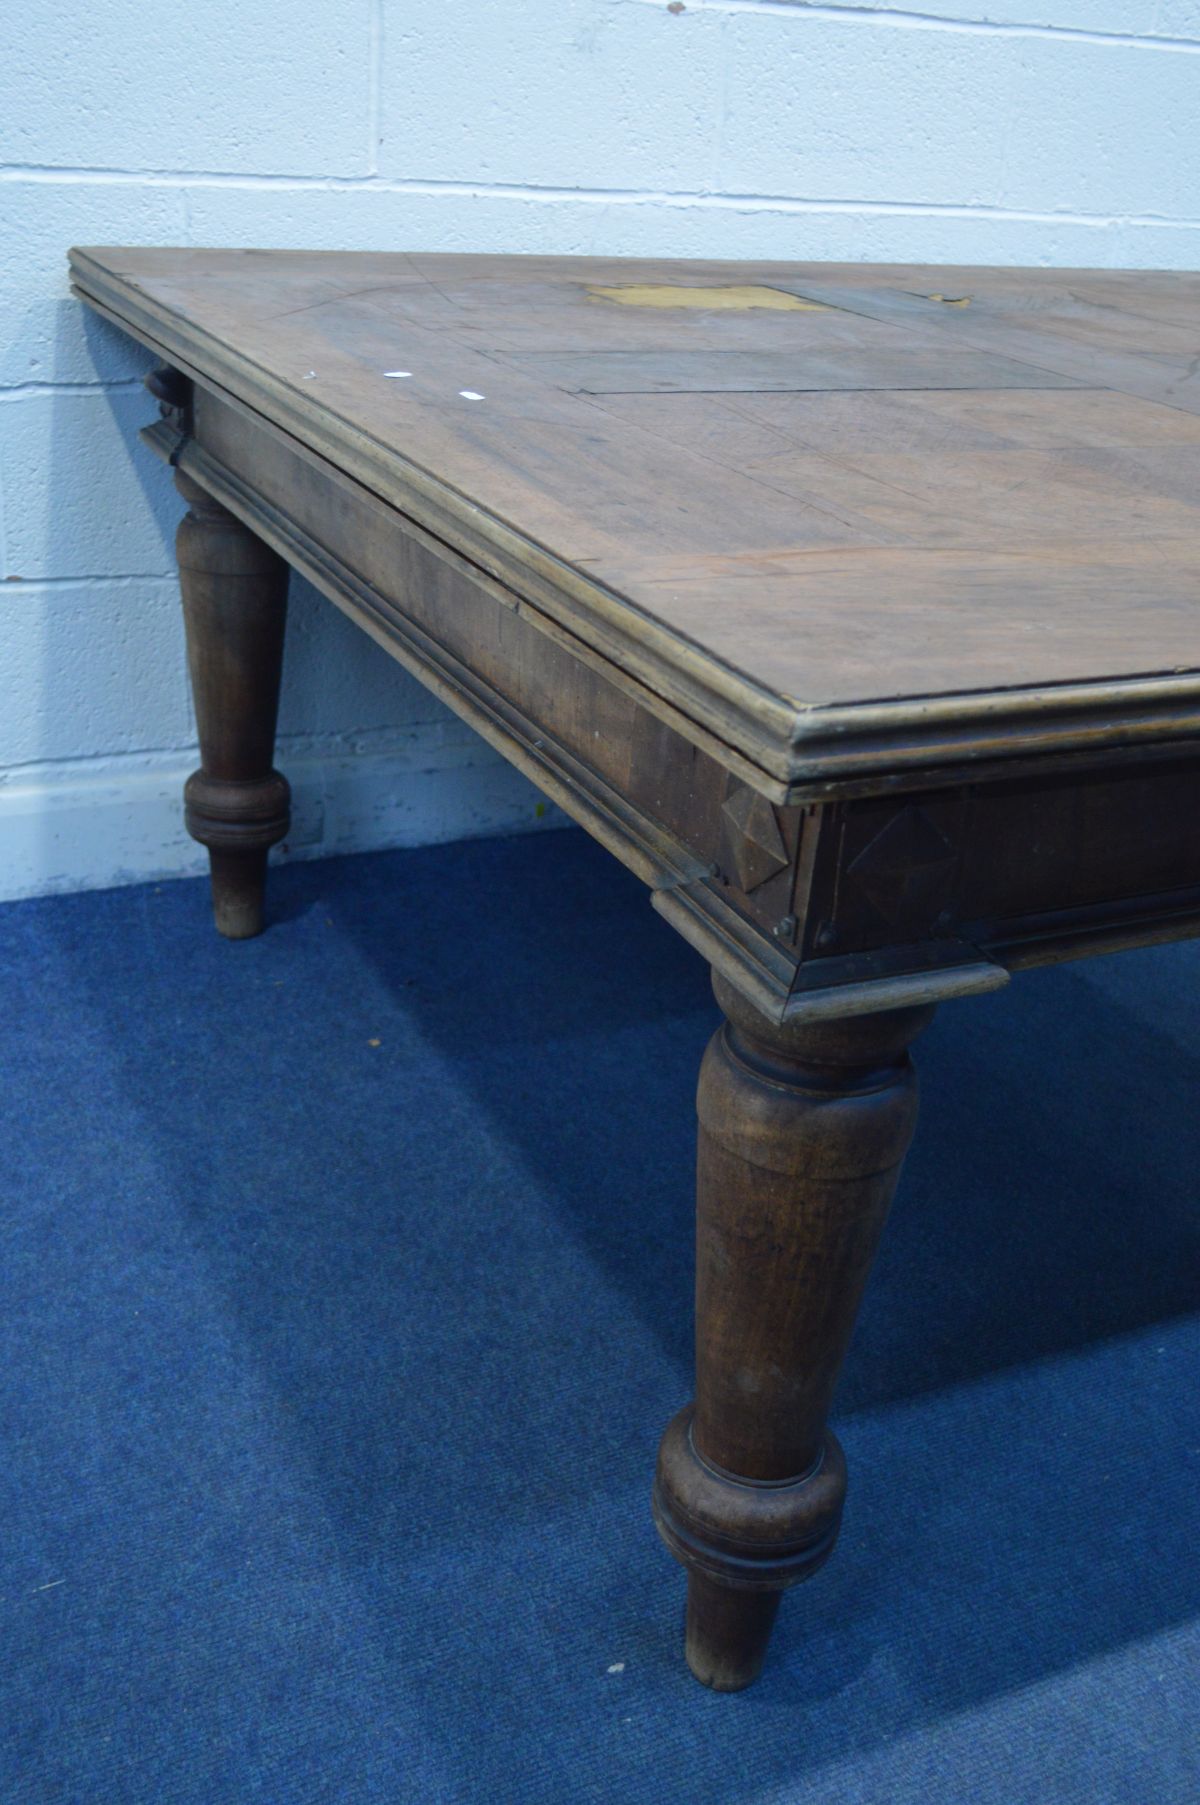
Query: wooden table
(856,610)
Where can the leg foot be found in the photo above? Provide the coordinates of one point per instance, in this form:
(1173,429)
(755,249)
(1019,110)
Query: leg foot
(727,1632)
(803,1130)
(239,881)
(234,603)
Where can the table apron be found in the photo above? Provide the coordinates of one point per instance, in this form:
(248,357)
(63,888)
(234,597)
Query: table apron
(819,908)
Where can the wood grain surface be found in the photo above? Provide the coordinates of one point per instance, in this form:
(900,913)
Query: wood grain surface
(913,485)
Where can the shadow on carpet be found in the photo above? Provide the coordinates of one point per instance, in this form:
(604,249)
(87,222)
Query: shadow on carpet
(346,1291)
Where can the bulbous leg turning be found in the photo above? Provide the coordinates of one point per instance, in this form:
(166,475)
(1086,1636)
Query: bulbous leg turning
(803,1130)
(234,605)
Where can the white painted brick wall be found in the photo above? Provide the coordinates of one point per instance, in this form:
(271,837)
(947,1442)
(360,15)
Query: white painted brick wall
(1041,131)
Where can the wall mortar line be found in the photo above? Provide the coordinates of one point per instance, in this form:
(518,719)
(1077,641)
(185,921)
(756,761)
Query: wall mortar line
(884,18)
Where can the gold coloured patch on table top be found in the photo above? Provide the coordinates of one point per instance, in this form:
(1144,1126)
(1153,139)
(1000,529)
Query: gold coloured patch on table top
(675,294)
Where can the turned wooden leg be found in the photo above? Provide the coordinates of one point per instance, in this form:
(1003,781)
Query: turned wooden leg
(234,605)
(802,1133)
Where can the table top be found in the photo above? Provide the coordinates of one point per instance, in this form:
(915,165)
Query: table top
(809,504)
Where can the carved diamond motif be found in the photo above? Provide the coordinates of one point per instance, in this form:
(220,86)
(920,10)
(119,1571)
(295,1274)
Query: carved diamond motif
(907,870)
(753,845)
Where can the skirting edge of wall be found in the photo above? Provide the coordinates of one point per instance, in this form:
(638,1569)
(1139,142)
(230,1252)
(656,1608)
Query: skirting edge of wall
(100,823)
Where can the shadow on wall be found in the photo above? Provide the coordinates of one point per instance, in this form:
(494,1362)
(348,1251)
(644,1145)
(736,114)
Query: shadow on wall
(104,701)
(104,736)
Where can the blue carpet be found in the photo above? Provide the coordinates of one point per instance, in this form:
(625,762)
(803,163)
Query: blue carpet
(345,1292)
